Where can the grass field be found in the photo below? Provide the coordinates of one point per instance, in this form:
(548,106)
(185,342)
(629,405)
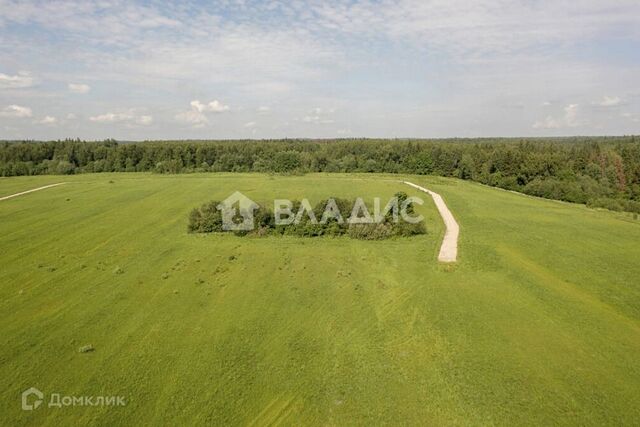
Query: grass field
(537,324)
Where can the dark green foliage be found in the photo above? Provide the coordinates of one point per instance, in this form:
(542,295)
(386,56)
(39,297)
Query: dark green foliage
(402,198)
(406,229)
(615,204)
(372,231)
(208,219)
(334,225)
(264,218)
(580,170)
(286,161)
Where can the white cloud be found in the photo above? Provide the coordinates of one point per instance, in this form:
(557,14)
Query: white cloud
(100,18)
(158,21)
(548,123)
(21,80)
(196,116)
(214,106)
(482,29)
(289,55)
(250,125)
(319,116)
(71,116)
(79,88)
(129,117)
(568,120)
(193,117)
(570,113)
(317,120)
(608,101)
(110,118)
(48,120)
(16,111)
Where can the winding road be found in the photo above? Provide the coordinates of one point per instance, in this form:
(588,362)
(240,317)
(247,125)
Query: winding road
(449,248)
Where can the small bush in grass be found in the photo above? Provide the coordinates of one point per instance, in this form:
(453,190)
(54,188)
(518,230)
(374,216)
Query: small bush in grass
(206,219)
(370,231)
(406,229)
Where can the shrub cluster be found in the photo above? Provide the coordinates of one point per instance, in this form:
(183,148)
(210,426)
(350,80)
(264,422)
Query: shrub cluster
(208,219)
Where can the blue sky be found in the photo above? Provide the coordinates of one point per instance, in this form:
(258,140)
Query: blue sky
(270,69)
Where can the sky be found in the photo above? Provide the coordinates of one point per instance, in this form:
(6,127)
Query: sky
(135,70)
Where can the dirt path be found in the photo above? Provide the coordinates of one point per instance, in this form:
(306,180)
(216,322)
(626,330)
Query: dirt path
(31,191)
(449,248)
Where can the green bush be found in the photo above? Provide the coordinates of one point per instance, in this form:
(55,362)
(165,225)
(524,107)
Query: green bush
(371,231)
(65,168)
(207,219)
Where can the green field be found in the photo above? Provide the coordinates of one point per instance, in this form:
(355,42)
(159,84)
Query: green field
(537,324)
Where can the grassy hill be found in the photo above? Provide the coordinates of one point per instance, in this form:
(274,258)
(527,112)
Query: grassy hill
(538,323)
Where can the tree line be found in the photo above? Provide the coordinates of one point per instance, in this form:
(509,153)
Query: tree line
(598,171)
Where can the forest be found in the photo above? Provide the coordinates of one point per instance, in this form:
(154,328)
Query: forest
(597,171)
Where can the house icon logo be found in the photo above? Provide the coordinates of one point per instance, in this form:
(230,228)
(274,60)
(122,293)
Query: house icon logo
(26,397)
(237,212)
